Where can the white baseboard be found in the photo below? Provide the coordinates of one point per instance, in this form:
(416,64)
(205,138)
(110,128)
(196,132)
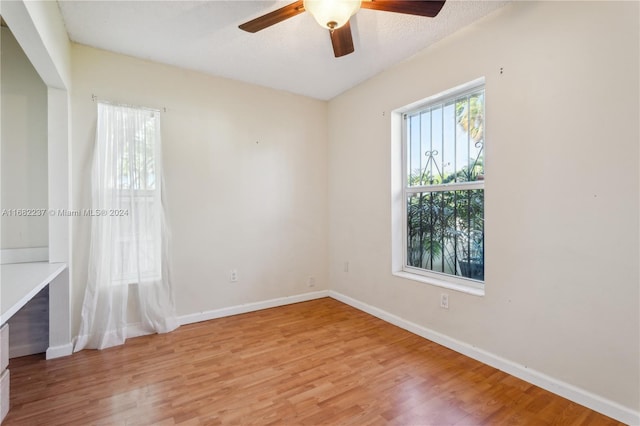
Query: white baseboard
(137,330)
(59,351)
(566,390)
(250,307)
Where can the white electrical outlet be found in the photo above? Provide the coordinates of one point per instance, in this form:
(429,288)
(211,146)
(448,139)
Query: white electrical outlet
(233,276)
(444,300)
(311,281)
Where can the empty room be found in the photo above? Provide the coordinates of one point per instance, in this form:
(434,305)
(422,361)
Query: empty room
(320,212)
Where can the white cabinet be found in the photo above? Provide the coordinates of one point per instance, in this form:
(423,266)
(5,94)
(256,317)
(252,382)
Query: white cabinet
(4,394)
(4,376)
(4,347)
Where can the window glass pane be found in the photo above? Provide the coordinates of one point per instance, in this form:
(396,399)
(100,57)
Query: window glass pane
(451,161)
(425,146)
(477,134)
(460,141)
(149,155)
(435,155)
(445,143)
(135,149)
(470,137)
(445,232)
(413,148)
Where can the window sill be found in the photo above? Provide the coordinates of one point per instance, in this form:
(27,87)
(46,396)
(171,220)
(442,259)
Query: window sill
(440,283)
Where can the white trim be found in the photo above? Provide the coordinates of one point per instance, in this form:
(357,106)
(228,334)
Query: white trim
(59,351)
(443,187)
(566,390)
(460,90)
(447,282)
(24,255)
(138,329)
(251,307)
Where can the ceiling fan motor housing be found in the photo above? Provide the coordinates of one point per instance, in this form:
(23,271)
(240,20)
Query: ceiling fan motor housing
(332,14)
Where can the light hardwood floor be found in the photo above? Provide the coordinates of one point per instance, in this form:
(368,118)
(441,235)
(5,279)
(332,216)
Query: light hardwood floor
(318,362)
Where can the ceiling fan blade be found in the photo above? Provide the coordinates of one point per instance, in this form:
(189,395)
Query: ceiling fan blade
(342,40)
(273,18)
(428,8)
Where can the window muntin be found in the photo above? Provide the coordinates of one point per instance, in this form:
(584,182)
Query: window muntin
(443,144)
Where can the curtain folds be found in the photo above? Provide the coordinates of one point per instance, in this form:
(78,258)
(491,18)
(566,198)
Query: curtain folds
(129,288)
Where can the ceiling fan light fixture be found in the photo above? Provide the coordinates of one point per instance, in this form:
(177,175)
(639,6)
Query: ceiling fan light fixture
(332,14)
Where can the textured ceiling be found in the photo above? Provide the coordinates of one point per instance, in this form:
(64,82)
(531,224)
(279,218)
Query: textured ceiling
(294,55)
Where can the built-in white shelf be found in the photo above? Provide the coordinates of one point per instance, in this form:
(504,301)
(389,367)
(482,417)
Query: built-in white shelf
(20,282)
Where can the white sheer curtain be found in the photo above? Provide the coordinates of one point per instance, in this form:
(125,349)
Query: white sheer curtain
(129,237)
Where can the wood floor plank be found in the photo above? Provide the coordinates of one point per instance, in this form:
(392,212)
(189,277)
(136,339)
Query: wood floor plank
(318,362)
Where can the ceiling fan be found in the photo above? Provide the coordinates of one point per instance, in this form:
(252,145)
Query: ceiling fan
(335,14)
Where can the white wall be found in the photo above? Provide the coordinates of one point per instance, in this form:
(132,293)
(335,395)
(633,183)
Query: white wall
(246,179)
(561,192)
(39,29)
(24,147)
(23,142)
(40,32)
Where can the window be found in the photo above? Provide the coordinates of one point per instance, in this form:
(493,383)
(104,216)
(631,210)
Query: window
(443,187)
(129,144)
(129,252)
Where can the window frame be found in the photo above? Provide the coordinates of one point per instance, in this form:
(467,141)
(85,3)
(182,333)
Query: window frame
(440,279)
(133,194)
